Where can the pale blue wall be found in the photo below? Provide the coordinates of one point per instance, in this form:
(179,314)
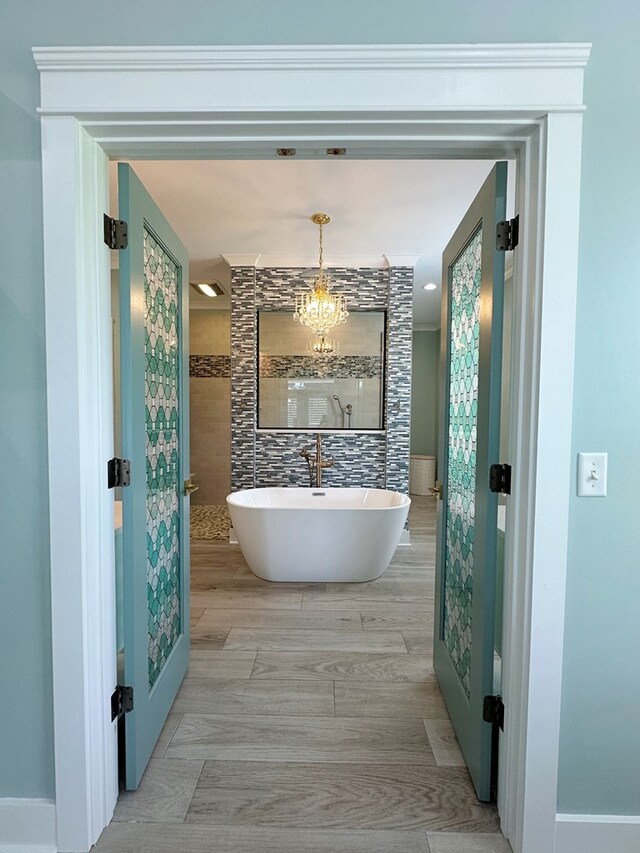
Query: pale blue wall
(424,392)
(599,760)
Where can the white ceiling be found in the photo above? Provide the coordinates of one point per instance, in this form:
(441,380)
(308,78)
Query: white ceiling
(377,207)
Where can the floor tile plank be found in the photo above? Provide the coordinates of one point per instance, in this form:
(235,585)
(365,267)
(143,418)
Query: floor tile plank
(263,598)
(368,699)
(164,793)
(190,838)
(456,842)
(343,666)
(305,739)
(208,638)
(347,796)
(238,618)
(444,743)
(243,696)
(352,599)
(214,663)
(168,730)
(398,619)
(418,643)
(264,639)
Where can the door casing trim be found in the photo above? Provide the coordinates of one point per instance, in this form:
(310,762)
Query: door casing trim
(490,101)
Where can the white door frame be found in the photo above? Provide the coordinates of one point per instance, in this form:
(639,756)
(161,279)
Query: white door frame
(521,101)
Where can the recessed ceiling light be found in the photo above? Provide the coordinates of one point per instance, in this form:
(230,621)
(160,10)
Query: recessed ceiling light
(430,286)
(208,288)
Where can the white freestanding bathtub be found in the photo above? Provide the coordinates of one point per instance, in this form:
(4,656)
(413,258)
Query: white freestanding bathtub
(318,534)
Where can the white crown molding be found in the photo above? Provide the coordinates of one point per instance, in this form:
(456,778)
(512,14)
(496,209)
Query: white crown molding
(384,57)
(402,260)
(350,262)
(244,260)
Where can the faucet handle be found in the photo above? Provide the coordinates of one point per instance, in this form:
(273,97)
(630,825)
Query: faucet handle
(328,463)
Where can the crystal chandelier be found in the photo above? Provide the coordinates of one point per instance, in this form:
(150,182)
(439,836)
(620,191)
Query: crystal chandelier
(321,345)
(320,310)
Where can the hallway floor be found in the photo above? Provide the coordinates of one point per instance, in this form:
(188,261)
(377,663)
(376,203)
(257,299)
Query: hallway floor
(310,721)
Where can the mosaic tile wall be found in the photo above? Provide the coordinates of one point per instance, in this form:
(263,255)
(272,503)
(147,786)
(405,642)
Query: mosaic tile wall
(398,389)
(210,366)
(161,404)
(461,462)
(272,458)
(359,459)
(243,376)
(365,288)
(320,366)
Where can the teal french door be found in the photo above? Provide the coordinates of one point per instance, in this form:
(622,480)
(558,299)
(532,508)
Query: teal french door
(155,438)
(471,359)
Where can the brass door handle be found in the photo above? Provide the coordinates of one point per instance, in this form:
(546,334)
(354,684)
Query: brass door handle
(190,486)
(436,490)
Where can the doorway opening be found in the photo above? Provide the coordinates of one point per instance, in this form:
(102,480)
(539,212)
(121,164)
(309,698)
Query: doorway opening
(247,653)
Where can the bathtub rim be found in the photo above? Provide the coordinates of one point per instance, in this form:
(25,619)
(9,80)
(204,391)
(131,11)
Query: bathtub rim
(404,503)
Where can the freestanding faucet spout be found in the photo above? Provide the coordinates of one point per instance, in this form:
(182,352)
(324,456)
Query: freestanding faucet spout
(320,462)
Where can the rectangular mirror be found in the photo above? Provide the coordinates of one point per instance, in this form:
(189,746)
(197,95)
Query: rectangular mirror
(302,389)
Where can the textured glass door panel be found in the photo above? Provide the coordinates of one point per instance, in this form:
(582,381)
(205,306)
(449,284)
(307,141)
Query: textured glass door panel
(161,344)
(473,277)
(155,438)
(466,274)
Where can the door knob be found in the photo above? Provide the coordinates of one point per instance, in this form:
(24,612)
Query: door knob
(190,486)
(436,490)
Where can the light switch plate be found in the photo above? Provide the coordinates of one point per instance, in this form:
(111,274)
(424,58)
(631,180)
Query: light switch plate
(592,475)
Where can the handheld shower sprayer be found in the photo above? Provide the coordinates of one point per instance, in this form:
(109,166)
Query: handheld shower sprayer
(344,411)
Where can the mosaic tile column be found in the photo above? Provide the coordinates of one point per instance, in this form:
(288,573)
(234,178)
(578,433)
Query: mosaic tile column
(398,390)
(243,377)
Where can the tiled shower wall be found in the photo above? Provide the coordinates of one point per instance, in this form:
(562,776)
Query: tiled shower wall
(361,459)
(210,404)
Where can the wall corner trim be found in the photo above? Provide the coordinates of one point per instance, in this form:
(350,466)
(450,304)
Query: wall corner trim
(27,826)
(589,833)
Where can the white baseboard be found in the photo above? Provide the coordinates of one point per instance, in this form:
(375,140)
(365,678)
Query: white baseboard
(591,833)
(27,826)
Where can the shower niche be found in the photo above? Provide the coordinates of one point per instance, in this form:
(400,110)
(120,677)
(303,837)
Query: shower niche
(333,383)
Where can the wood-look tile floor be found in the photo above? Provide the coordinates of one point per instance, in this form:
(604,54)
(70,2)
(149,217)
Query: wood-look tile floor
(310,721)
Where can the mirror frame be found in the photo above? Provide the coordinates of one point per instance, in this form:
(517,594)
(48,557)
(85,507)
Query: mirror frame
(341,430)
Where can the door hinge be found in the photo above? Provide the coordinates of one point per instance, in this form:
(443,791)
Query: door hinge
(121,701)
(118,473)
(507,234)
(115,233)
(493,711)
(500,479)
